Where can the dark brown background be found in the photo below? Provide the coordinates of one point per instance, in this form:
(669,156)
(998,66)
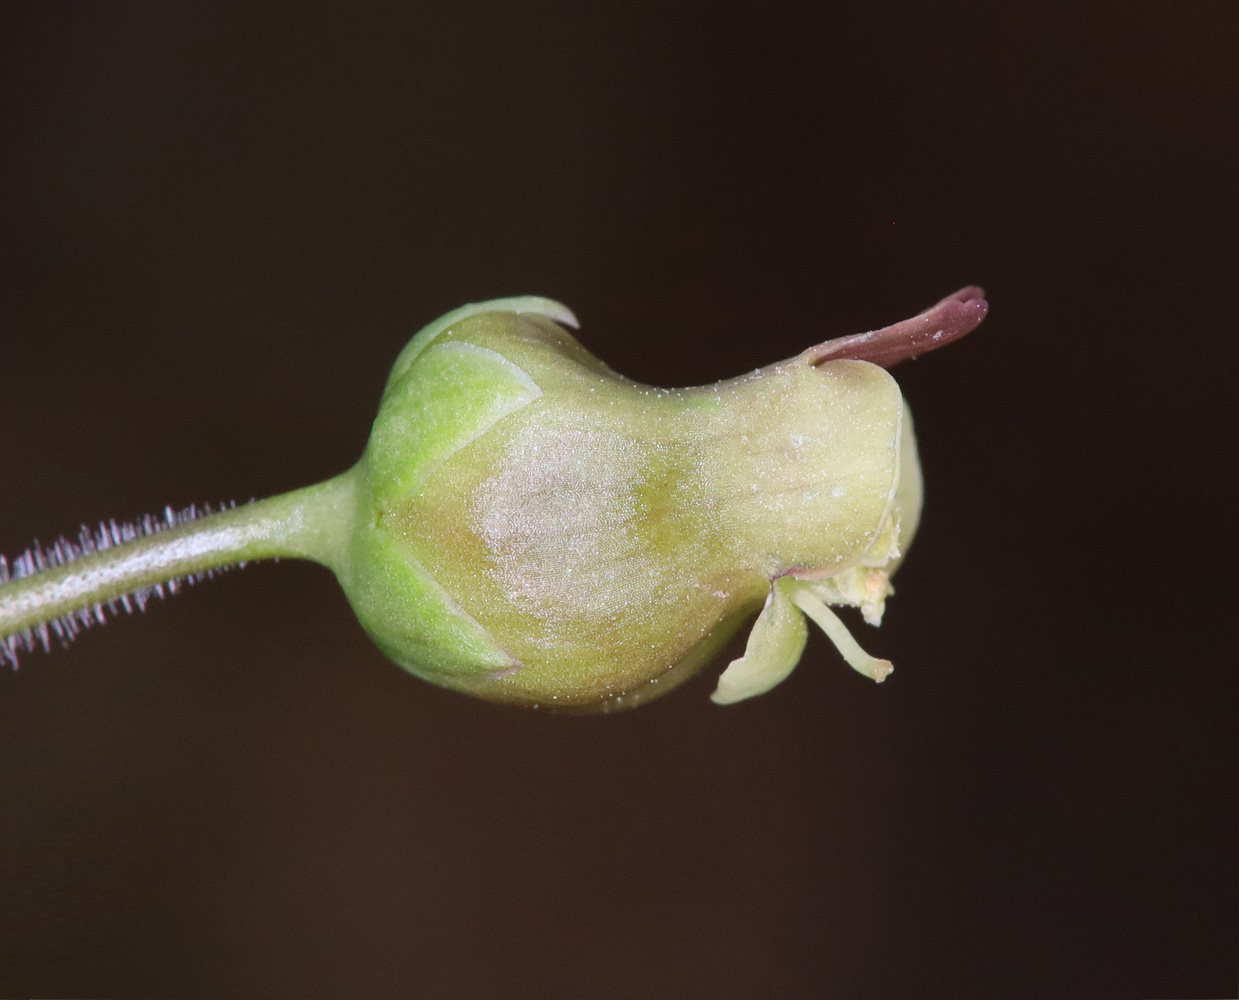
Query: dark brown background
(220,222)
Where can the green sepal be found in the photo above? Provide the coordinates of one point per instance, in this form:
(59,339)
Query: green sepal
(412,618)
(454,395)
(424,337)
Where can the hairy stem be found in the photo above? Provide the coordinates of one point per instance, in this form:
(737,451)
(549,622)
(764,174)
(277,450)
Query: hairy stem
(310,523)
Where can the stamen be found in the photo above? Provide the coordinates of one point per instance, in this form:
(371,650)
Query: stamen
(849,649)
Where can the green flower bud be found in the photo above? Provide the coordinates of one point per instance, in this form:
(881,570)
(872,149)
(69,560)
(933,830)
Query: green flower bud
(531,527)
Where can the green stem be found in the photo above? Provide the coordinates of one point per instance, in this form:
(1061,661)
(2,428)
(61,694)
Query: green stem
(310,523)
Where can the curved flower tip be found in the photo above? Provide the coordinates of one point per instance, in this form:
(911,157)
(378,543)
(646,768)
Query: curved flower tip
(940,324)
(772,652)
(778,639)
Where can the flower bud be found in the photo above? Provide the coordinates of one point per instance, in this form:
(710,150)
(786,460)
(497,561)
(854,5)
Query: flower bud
(534,528)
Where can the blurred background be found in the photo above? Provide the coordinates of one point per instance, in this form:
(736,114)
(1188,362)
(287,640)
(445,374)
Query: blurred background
(219,222)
